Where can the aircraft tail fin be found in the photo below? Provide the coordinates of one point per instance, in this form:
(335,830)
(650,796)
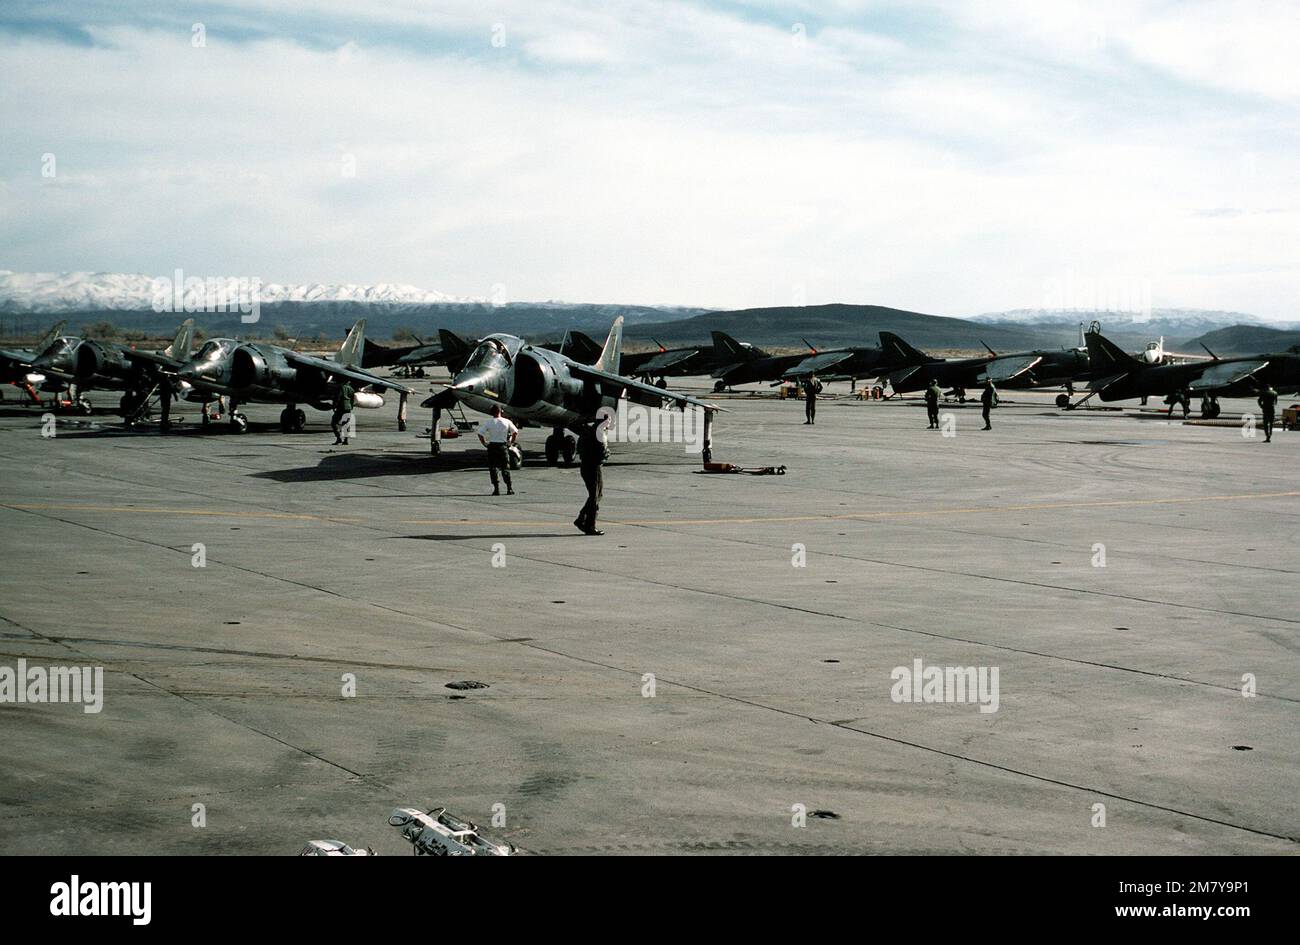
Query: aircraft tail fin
(730,345)
(183,343)
(580,346)
(1105,357)
(612,354)
(901,350)
(47,339)
(353,346)
(455,349)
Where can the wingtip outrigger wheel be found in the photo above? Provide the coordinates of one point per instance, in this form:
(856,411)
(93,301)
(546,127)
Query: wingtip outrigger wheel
(707,451)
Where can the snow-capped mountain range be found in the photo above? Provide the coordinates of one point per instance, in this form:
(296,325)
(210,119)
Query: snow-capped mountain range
(53,292)
(1176,321)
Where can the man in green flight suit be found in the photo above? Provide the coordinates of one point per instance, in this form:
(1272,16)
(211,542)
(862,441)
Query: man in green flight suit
(343,404)
(1268,404)
(932,403)
(990,400)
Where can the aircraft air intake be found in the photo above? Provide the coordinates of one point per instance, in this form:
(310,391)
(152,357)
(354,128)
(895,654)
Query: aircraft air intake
(250,366)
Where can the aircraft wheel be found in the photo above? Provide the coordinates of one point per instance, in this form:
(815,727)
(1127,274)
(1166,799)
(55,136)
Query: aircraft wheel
(569,447)
(1214,410)
(238,423)
(1062,400)
(719,387)
(662,383)
(286,420)
(299,420)
(552,451)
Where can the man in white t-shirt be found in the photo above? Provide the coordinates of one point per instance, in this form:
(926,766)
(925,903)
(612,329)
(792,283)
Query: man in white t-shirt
(498,434)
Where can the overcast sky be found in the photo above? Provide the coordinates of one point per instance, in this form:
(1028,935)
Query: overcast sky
(951,158)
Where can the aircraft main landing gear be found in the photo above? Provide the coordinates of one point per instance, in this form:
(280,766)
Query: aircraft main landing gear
(293,419)
(559,442)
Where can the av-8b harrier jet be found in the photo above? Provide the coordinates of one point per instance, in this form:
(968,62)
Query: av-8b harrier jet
(536,386)
(82,364)
(451,350)
(1025,369)
(1117,375)
(264,373)
(16,364)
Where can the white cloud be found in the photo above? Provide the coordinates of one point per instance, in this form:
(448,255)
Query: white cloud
(661,152)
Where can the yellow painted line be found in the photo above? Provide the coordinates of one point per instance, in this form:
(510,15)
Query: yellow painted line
(147,510)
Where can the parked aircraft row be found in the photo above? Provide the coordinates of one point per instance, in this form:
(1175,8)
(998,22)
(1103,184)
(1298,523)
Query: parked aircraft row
(222,369)
(551,384)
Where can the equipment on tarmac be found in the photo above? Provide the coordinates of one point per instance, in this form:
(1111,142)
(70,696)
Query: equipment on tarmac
(438,833)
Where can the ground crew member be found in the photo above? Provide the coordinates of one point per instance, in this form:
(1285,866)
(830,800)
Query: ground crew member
(498,434)
(990,400)
(591,456)
(343,404)
(932,403)
(811,388)
(1267,404)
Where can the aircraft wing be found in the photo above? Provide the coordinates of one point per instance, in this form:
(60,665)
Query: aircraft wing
(338,370)
(587,372)
(1001,370)
(17,357)
(1225,374)
(150,357)
(424,354)
(897,377)
(1101,383)
(818,363)
(665,360)
(726,369)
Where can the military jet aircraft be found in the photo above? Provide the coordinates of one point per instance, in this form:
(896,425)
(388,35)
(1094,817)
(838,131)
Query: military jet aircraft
(16,364)
(83,364)
(746,364)
(451,350)
(537,386)
(1021,370)
(1117,375)
(263,373)
(654,366)
(846,364)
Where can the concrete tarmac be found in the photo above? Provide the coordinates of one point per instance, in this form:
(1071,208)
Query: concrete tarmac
(1126,576)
